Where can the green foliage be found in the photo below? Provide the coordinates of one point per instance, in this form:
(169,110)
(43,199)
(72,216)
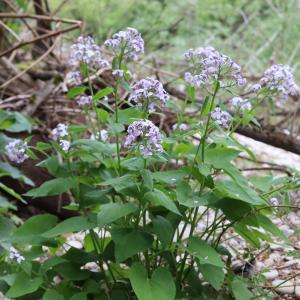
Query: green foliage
(137,205)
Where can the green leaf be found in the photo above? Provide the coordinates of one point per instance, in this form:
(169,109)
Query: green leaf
(214,275)
(21,123)
(205,107)
(4,203)
(79,296)
(11,192)
(33,228)
(268,225)
(120,183)
(115,128)
(240,290)
(23,285)
(157,197)
(147,179)
(129,242)
(220,156)
(128,115)
(6,227)
(76,91)
(204,252)
(71,225)
(170,177)
(113,211)
(7,169)
(53,187)
(162,227)
(103,93)
(232,189)
(52,294)
(159,287)
(187,198)
(72,271)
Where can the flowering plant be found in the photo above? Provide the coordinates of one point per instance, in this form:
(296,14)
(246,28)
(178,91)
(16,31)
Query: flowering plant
(153,207)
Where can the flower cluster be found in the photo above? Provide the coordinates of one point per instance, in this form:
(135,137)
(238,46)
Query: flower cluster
(149,91)
(58,133)
(129,42)
(16,151)
(274,201)
(86,51)
(102,134)
(220,117)
(208,64)
(146,135)
(84,100)
(15,256)
(75,77)
(183,127)
(280,78)
(240,103)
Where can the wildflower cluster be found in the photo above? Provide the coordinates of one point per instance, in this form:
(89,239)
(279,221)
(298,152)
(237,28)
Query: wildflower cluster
(88,52)
(209,64)
(129,42)
(16,151)
(280,79)
(85,100)
(239,103)
(75,77)
(15,256)
(146,135)
(182,127)
(148,92)
(59,133)
(220,117)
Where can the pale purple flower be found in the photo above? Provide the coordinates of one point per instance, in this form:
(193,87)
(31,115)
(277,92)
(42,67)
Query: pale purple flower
(182,127)
(60,131)
(274,201)
(130,41)
(15,256)
(84,100)
(240,103)
(255,88)
(85,50)
(280,79)
(75,77)
(148,91)
(146,136)
(65,145)
(118,72)
(208,64)
(220,117)
(16,151)
(102,134)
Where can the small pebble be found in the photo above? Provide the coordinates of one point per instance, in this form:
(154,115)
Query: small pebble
(285,288)
(272,274)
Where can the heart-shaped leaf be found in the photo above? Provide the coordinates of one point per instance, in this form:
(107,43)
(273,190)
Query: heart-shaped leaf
(159,287)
